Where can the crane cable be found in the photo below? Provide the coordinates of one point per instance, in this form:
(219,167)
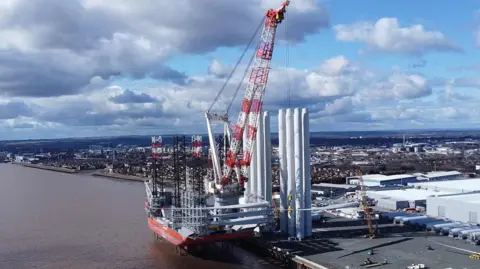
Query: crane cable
(252,38)
(241,82)
(287,63)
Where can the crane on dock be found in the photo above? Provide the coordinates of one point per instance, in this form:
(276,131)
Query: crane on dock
(365,206)
(250,111)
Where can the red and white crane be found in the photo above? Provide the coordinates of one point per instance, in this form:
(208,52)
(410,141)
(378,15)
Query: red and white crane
(250,111)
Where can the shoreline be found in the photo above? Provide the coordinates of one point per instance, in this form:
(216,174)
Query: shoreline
(74,171)
(119,176)
(50,168)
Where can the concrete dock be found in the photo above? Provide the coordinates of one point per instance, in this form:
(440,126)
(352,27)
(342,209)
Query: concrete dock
(345,247)
(119,176)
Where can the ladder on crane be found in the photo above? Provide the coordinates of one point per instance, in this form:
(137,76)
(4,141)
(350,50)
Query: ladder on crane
(250,111)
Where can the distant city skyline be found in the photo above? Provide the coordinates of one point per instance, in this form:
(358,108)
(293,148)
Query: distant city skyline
(98,69)
(314,134)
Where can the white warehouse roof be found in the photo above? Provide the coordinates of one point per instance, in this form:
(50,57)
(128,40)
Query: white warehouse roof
(442,173)
(461,185)
(406,194)
(473,198)
(365,183)
(379,177)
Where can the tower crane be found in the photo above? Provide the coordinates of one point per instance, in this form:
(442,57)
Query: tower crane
(250,111)
(365,206)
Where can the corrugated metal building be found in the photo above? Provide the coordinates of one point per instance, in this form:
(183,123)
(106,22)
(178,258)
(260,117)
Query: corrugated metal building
(452,186)
(334,189)
(440,175)
(390,203)
(464,207)
(402,198)
(383,180)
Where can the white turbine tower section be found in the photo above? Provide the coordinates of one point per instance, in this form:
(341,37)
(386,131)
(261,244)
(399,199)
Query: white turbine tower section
(291,172)
(299,198)
(247,184)
(283,171)
(260,161)
(253,177)
(267,144)
(307,183)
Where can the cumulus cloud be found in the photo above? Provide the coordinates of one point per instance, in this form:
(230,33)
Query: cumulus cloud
(65,63)
(343,92)
(11,110)
(387,35)
(130,97)
(217,69)
(55,47)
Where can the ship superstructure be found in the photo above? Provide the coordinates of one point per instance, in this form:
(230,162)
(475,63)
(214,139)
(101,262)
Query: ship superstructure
(200,203)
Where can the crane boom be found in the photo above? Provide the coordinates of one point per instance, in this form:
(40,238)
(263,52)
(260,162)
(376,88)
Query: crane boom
(253,100)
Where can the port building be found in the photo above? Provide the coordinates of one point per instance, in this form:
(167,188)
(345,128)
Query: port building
(453,186)
(464,207)
(395,199)
(329,189)
(383,180)
(439,176)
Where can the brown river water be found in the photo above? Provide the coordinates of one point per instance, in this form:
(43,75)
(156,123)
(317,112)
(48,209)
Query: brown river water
(57,220)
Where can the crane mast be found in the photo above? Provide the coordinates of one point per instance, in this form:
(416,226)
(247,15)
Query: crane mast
(251,108)
(364,203)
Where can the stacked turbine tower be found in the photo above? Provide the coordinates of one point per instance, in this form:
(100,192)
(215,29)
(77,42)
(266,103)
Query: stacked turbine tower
(294,165)
(259,186)
(294,168)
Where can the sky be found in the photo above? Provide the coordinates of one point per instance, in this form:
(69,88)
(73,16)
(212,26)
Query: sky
(75,68)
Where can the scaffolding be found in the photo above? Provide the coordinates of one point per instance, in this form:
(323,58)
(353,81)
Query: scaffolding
(196,169)
(179,176)
(195,217)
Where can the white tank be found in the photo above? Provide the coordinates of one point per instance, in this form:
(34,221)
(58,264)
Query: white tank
(307,183)
(398,219)
(474,236)
(283,170)
(291,171)
(407,219)
(467,234)
(267,145)
(438,227)
(455,231)
(299,199)
(446,230)
(260,160)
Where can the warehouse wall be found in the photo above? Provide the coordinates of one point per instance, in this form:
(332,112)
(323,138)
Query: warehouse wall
(403,181)
(392,204)
(452,209)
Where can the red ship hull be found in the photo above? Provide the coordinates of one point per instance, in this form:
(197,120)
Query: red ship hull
(178,240)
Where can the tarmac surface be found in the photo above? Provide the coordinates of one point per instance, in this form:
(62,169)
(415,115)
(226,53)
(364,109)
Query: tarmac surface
(400,251)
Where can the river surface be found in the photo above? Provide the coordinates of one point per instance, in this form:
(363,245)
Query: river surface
(57,220)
